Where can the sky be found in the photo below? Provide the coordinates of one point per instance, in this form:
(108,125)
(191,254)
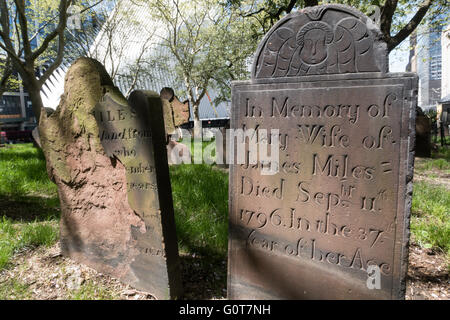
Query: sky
(398,58)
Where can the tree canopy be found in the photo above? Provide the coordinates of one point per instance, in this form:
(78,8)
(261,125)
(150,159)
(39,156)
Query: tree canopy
(211,42)
(397,18)
(32,35)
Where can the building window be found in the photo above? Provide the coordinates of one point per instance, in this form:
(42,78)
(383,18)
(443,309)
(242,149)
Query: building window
(10,106)
(435,67)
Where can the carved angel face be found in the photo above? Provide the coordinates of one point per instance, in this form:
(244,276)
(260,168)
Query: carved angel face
(314,48)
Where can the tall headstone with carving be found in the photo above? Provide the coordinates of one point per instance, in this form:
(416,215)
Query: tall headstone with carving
(108,157)
(333,221)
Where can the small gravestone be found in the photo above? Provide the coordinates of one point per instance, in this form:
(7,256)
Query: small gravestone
(175,115)
(332,222)
(180,110)
(108,158)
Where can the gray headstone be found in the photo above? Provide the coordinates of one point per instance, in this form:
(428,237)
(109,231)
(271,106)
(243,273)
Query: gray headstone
(134,134)
(340,201)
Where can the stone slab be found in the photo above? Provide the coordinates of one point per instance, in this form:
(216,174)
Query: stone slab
(340,201)
(134,135)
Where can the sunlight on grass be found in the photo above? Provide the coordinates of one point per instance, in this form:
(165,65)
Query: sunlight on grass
(23,171)
(430,223)
(16,236)
(28,201)
(91,291)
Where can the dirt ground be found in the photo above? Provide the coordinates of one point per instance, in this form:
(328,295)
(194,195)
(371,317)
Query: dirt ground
(47,275)
(428,275)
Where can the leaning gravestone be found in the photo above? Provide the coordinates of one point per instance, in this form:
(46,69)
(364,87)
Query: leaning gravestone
(108,158)
(335,215)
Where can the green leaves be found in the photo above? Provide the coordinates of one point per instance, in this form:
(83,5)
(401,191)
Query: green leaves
(210,43)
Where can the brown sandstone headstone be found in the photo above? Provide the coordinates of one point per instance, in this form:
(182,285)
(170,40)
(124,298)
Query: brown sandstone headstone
(113,181)
(340,201)
(168,117)
(180,110)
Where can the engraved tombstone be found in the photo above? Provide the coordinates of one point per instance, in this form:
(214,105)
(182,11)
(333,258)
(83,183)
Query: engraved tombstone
(108,158)
(133,134)
(333,221)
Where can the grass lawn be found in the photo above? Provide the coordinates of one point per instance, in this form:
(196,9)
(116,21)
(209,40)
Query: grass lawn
(200,195)
(29,205)
(430,221)
(29,212)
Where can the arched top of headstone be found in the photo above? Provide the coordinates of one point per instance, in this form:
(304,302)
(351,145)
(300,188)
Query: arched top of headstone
(326,39)
(167,93)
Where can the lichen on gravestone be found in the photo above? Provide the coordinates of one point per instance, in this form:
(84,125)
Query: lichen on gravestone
(131,237)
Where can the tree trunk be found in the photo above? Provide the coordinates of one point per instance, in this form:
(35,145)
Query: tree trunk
(34,92)
(197,123)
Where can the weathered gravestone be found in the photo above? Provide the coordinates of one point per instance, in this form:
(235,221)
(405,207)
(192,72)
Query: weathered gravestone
(340,201)
(180,110)
(108,157)
(423,134)
(175,115)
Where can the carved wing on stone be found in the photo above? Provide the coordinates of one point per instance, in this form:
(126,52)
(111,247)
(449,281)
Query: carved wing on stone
(278,53)
(331,39)
(353,46)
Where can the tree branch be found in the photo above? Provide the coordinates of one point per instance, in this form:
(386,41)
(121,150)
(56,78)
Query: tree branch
(20,9)
(60,33)
(387,12)
(410,26)
(7,72)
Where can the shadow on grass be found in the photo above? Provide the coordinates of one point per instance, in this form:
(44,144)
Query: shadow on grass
(29,208)
(441,153)
(200,194)
(418,274)
(22,155)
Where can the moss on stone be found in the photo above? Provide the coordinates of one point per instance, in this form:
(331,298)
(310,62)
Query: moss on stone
(85,83)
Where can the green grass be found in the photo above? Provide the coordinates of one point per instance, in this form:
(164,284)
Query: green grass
(440,160)
(437,139)
(442,152)
(14,289)
(430,223)
(91,291)
(17,236)
(29,205)
(434,164)
(23,171)
(200,194)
